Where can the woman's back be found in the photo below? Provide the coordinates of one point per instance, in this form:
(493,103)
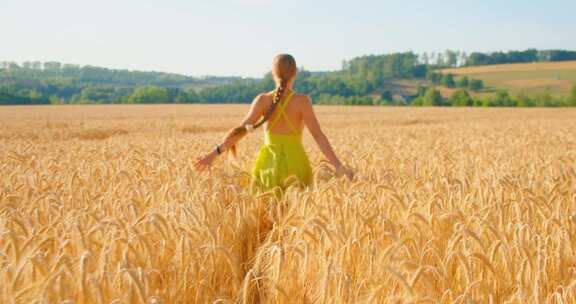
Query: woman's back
(291,105)
(282,154)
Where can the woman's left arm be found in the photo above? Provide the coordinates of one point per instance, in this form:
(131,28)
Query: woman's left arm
(255,112)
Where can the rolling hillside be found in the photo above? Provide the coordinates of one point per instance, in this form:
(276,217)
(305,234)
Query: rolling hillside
(530,78)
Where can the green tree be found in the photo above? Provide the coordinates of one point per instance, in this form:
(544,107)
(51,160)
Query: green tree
(96,94)
(421,90)
(475,85)
(523,100)
(386,95)
(503,99)
(451,58)
(477,102)
(55,100)
(545,99)
(440,60)
(461,98)
(35,95)
(150,95)
(424,59)
(189,96)
(463,82)
(448,80)
(433,77)
(418,101)
(433,98)
(573,97)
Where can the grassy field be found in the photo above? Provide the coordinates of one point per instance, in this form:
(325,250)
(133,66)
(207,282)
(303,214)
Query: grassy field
(530,78)
(100,204)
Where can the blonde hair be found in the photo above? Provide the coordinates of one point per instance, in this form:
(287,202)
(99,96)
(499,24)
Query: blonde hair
(283,70)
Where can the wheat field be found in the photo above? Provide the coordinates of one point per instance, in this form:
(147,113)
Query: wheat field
(100,204)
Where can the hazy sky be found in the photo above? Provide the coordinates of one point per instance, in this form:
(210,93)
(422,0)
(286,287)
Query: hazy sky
(240,37)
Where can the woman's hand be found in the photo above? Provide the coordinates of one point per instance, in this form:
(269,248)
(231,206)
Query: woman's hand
(341,169)
(203,163)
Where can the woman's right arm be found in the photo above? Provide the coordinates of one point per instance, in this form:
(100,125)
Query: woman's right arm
(314,127)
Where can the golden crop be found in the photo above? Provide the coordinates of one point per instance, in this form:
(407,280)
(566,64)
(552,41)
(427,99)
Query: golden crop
(100,204)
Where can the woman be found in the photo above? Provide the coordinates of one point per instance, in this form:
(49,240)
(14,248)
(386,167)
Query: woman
(285,113)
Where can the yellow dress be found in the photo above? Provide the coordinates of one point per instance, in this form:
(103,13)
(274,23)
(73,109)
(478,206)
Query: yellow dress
(282,159)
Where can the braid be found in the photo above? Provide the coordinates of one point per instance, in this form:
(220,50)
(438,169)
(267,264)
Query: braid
(277,97)
(242,130)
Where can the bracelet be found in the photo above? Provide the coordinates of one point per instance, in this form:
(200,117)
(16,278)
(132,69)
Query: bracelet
(218,150)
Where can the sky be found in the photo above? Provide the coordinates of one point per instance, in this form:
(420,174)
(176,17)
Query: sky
(240,37)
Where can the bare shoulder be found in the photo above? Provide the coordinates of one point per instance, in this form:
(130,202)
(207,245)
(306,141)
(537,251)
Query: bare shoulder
(303,102)
(302,99)
(263,98)
(269,94)
(264,95)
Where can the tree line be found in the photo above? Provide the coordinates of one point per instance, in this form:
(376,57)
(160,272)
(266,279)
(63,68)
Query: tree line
(461,98)
(431,96)
(527,56)
(360,81)
(448,81)
(455,58)
(36,83)
(53,71)
(358,77)
(57,83)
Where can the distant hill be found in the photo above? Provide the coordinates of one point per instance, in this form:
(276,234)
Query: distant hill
(11,72)
(54,82)
(531,78)
(384,79)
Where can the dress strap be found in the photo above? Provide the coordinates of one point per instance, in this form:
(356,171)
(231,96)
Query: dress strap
(283,114)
